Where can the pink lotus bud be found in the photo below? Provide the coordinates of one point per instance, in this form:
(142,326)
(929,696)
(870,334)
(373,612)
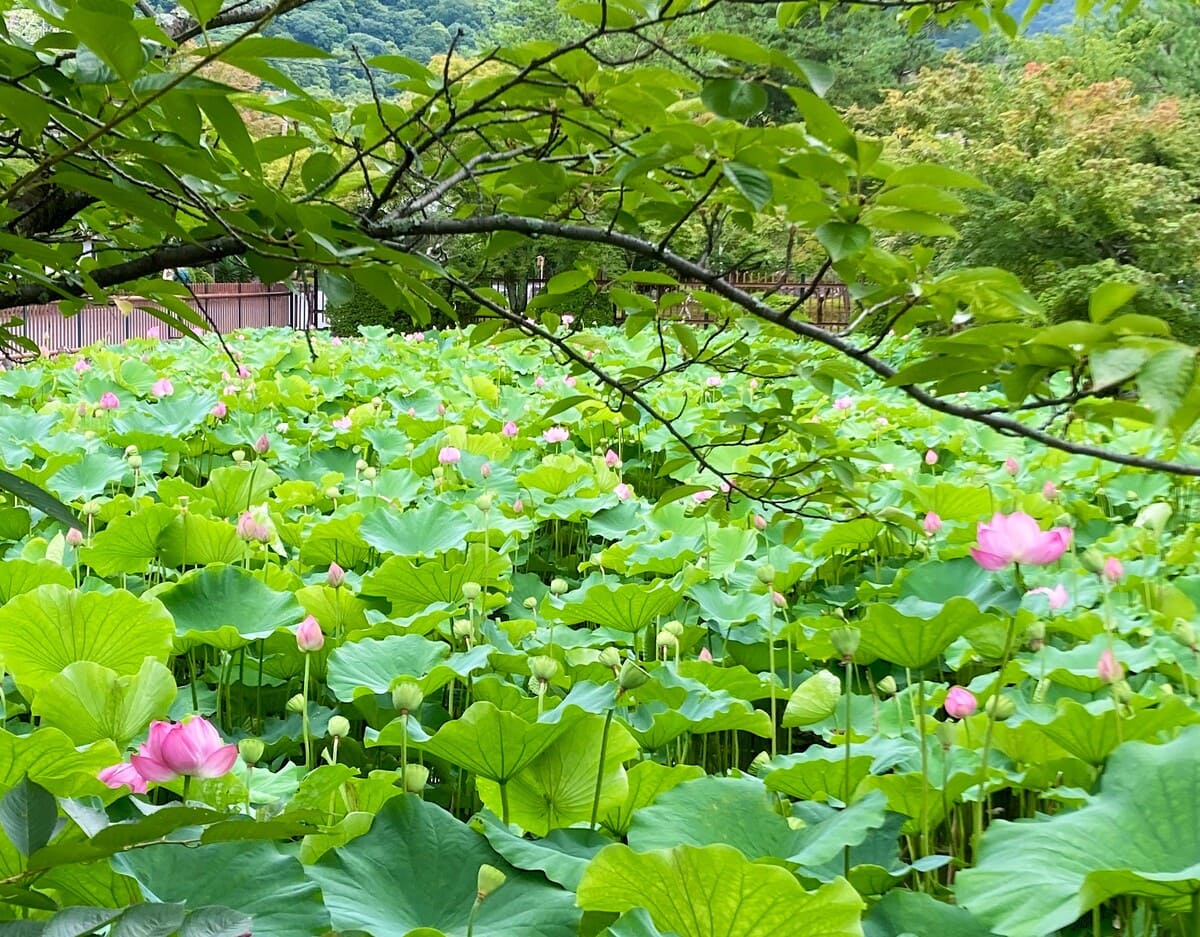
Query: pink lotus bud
(220,410)
(342,424)
(448,455)
(510,429)
(712,381)
(611,459)
(123,775)
(230,390)
(701,496)
(1057,596)
(162,388)
(931,457)
(412,411)
(336,576)
(556,434)
(245,526)
(760,522)
(81,366)
(1050,491)
(74,537)
(882,421)
(539,381)
(960,702)
(83,408)
(262,445)
(706,655)
(569,380)
(623,492)
(725,488)
(225,375)
(1109,669)
(518,506)
(778,600)
(932,523)
(243,371)
(485,470)
(109,401)
(309,636)
(753,384)
(1114,570)
(1012,466)
(441,409)
(843,403)
(589,354)
(153,332)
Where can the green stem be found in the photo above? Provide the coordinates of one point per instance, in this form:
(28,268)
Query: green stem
(771,658)
(600,770)
(306,729)
(924,764)
(849,665)
(504,803)
(471,919)
(991,725)
(187,786)
(1196,914)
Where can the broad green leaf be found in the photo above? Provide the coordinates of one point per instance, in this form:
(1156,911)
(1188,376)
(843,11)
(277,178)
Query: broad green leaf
(625,607)
(425,531)
(750,182)
(90,702)
(734,98)
(28,814)
(226,607)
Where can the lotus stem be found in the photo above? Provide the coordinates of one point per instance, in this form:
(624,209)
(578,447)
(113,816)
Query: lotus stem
(981,797)
(600,770)
(305,728)
(504,804)
(849,666)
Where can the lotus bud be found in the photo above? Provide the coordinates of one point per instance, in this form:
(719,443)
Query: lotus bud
(135,462)
(415,778)
(251,751)
(530,603)
(1167,689)
(960,702)
(130,450)
(666,641)
(407,697)
(1108,668)
(946,733)
(543,668)
(1000,708)
(91,508)
(610,657)
(238,456)
(309,636)
(1182,631)
(336,576)
(462,628)
(674,627)
(1114,570)
(760,522)
(332,493)
(369,473)
(484,503)
(758,766)
(262,445)
(1037,636)
(1092,560)
(845,641)
(485,470)
(360,465)
(339,726)
(558,586)
(765,574)
(1122,691)
(74,537)
(471,591)
(1154,517)
(490,878)
(632,676)
(296,704)
(518,506)
(376,402)
(886,686)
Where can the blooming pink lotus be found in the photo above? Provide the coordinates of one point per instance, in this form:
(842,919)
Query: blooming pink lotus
(220,411)
(1057,596)
(712,381)
(569,380)
(81,366)
(539,381)
(123,775)
(163,387)
(341,424)
(556,434)
(725,488)
(932,523)
(449,455)
(154,332)
(309,636)
(243,371)
(960,702)
(623,492)
(193,748)
(250,529)
(510,429)
(109,401)
(1017,538)
(611,459)
(843,403)
(568,320)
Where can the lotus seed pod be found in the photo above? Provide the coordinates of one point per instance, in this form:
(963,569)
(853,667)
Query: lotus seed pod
(610,657)
(1182,631)
(1000,708)
(535,686)
(845,641)
(490,878)
(407,697)
(339,726)
(462,628)
(543,667)
(471,591)
(415,778)
(530,603)
(238,456)
(296,704)
(666,640)
(887,686)
(135,462)
(632,676)
(766,574)
(558,586)
(91,508)
(332,493)
(360,465)
(484,502)
(251,750)
(674,627)
(369,473)
(1092,560)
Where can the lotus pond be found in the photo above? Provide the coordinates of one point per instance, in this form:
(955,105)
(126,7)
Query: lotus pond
(420,637)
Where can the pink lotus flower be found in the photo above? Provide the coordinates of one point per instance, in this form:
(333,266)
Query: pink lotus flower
(510,429)
(123,775)
(1012,466)
(220,411)
(485,470)
(162,388)
(154,332)
(712,381)
(518,506)
(556,434)
(1114,569)
(932,523)
(1016,538)
(342,424)
(568,320)
(760,522)
(753,384)
(193,748)
(83,408)
(778,600)
(336,576)
(931,457)
(725,488)
(109,401)
(412,411)
(843,403)
(960,702)
(81,366)
(701,496)
(250,530)
(262,445)
(623,492)
(1108,668)
(243,371)
(448,455)
(611,459)
(1050,491)
(441,409)
(309,636)
(706,655)
(230,390)
(74,537)
(1057,596)
(539,381)
(569,380)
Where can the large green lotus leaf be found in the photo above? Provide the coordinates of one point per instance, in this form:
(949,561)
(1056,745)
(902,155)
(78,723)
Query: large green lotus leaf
(334,540)
(365,667)
(647,781)
(915,642)
(720,606)
(903,913)
(728,546)
(169,420)
(556,475)
(735,680)
(20,576)
(1140,835)
(129,543)
(193,540)
(424,531)
(819,773)
(651,556)
(1091,732)
(418,868)
(562,856)
(234,488)
(338,611)
(854,534)
(556,789)
(49,758)
(89,702)
(255,878)
(675,705)
(88,477)
(925,588)
(226,607)
(491,742)
(715,891)
(44,631)
(412,586)
(626,607)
